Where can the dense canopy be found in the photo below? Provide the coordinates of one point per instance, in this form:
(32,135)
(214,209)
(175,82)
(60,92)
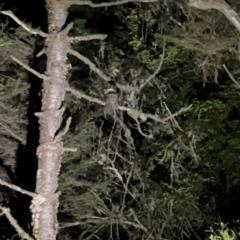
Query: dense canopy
(168,168)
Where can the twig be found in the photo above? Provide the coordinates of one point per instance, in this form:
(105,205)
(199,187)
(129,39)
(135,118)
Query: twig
(39,75)
(140,130)
(231,76)
(140,114)
(22,24)
(90,64)
(80,95)
(14,135)
(66,225)
(70,149)
(66,30)
(61,134)
(87,37)
(13,222)
(158,69)
(173,118)
(18,189)
(94,68)
(41,52)
(97,5)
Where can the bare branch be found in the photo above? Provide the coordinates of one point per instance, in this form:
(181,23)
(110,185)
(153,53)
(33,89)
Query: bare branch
(80,95)
(119,176)
(70,149)
(43,51)
(87,37)
(140,114)
(108,4)
(61,134)
(18,189)
(221,6)
(22,24)
(204,5)
(231,76)
(67,29)
(66,225)
(14,135)
(13,222)
(173,118)
(90,64)
(140,130)
(134,112)
(158,69)
(94,68)
(39,75)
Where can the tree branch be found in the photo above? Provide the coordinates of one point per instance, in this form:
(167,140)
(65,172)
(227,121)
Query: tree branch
(157,70)
(138,127)
(108,4)
(14,135)
(173,118)
(18,189)
(80,95)
(204,5)
(65,130)
(92,66)
(22,24)
(134,112)
(221,6)
(87,38)
(231,77)
(13,222)
(39,75)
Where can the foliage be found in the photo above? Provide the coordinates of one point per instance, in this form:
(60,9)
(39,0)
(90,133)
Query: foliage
(222,232)
(13,107)
(13,112)
(146,54)
(79,27)
(175,188)
(215,120)
(121,184)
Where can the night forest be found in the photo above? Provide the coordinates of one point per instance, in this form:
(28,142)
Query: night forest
(165,165)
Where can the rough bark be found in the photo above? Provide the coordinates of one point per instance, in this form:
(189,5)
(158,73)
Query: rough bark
(44,206)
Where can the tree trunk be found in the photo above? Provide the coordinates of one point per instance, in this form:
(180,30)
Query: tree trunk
(44,206)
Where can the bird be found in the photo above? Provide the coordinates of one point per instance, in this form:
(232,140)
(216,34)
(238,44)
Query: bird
(111,102)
